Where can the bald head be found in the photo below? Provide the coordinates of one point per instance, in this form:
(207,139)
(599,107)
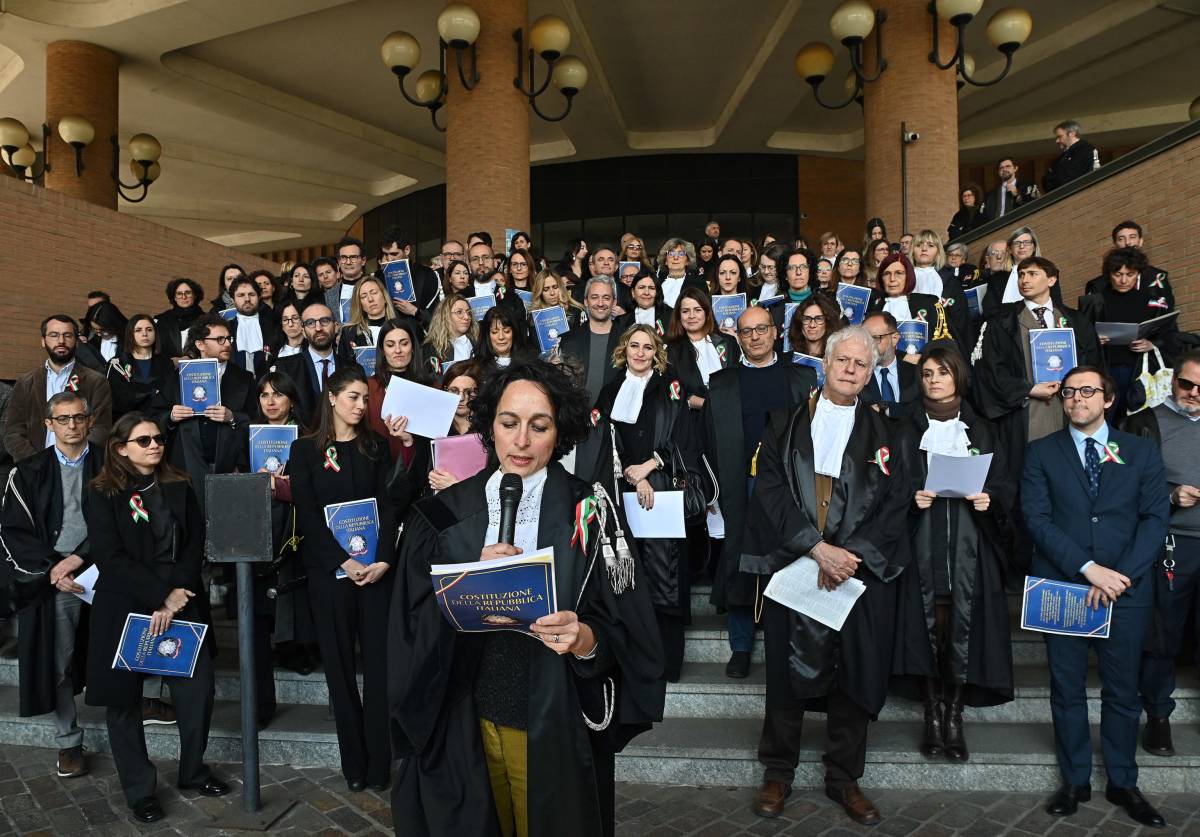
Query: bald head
(756,335)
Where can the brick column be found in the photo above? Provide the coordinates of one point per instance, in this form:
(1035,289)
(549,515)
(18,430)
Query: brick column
(81,80)
(487,132)
(915,92)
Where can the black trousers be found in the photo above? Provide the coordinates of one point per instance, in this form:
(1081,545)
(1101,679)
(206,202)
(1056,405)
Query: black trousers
(193,701)
(670,630)
(347,615)
(1172,605)
(264,664)
(845,741)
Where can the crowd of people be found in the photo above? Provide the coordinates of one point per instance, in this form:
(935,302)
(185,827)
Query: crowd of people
(798,427)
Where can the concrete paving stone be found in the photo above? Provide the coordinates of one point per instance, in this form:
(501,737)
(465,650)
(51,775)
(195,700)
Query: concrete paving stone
(348,820)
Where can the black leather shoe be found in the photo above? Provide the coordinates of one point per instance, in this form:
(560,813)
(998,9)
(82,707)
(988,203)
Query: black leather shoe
(147,810)
(356,785)
(738,665)
(1066,799)
(212,786)
(379,786)
(1135,805)
(1156,738)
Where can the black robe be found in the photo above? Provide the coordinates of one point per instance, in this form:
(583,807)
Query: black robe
(981,641)
(922,307)
(129,393)
(171,324)
(442,787)
(682,356)
(867,516)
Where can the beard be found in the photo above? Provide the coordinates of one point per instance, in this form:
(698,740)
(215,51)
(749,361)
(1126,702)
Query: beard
(61,354)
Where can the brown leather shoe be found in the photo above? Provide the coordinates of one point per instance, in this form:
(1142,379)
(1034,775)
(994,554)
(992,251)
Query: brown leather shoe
(855,803)
(70,763)
(768,802)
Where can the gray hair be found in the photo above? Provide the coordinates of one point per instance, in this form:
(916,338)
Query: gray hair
(856,332)
(672,243)
(600,279)
(66,397)
(957,247)
(1070,126)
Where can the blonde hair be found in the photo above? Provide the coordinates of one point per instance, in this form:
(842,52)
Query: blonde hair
(357,318)
(930,237)
(440,336)
(643,259)
(565,301)
(660,348)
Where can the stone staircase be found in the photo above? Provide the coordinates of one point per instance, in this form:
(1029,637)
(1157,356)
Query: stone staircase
(710,733)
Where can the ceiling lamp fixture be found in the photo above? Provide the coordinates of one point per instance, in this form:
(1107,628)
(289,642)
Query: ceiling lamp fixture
(1007,30)
(851,23)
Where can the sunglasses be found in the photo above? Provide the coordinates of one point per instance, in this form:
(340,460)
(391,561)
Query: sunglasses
(145,441)
(1186,385)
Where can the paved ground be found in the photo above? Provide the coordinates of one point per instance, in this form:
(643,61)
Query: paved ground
(33,801)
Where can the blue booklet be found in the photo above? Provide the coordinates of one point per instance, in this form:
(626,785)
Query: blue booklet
(229,313)
(508,237)
(727,308)
(507,594)
(1059,607)
(914,334)
(398,277)
(550,324)
(525,297)
(789,311)
(815,362)
(355,527)
(270,446)
(480,305)
(198,384)
(1052,353)
(172,653)
(344,310)
(853,299)
(975,297)
(365,355)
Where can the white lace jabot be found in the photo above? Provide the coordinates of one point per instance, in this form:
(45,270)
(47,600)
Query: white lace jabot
(528,511)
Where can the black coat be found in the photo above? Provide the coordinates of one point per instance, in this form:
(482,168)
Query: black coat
(443,784)
(185,442)
(1071,163)
(867,516)
(976,544)
(129,393)
(171,323)
(909,391)
(130,581)
(574,344)
(271,331)
(1158,286)
(307,378)
(923,307)
(997,282)
(725,447)
(682,357)
(965,220)
(1027,192)
(30,521)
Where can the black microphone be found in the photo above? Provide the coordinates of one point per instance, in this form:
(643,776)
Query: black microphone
(510,497)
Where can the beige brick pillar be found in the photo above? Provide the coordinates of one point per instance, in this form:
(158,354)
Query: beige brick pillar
(81,80)
(487,131)
(915,92)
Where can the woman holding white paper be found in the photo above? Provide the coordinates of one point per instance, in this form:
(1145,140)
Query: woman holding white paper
(461,379)
(646,433)
(342,461)
(147,537)
(964,657)
(500,732)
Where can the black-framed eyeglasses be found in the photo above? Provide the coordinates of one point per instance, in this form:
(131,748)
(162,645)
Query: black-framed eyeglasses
(1083,392)
(290,320)
(73,418)
(807,320)
(185,292)
(145,441)
(884,336)
(311,322)
(758,329)
(463,393)
(60,335)
(1023,242)
(797,268)
(349,258)
(220,341)
(1186,385)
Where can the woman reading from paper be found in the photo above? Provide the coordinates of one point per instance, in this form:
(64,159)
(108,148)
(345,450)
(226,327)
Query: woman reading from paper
(502,732)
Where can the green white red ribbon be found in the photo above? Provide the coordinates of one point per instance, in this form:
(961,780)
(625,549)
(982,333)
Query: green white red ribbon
(675,390)
(595,417)
(1111,453)
(881,459)
(1157,281)
(585,513)
(137,509)
(658,326)
(722,351)
(73,383)
(331,463)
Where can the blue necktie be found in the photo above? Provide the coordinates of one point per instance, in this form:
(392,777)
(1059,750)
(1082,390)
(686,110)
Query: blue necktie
(885,386)
(1092,465)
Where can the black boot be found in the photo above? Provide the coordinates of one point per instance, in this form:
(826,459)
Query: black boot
(956,745)
(932,743)
(1156,740)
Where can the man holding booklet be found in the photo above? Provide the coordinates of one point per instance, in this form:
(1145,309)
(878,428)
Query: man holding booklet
(1095,501)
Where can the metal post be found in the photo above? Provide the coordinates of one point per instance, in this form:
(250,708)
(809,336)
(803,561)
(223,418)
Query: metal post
(245,594)
(903,178)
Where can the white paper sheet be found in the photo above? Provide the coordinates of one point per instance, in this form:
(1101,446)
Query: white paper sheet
(430,411)
(665,520)
(87,580)
(957,476)
(795,587)
(1118,334)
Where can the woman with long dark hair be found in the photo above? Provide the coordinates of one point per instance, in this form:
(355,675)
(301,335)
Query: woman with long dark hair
(289,340)
(341,461)
(223,299)
(647,307)
(574,262)
(695,347)
(398,353)
(812,324)
(147,537)
(139,372)
(184,296)
(303,287)
(461,379)
(970,202)
(500,732)
(503,340)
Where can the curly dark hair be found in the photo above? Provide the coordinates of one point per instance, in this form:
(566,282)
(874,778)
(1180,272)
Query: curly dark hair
(1124,257)
(173,286)
(570,401)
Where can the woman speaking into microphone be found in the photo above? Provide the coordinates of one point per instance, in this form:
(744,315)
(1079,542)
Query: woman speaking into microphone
(503,733)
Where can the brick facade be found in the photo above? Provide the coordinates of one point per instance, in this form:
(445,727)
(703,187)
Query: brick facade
(832,198)
(81,80)
(58,248)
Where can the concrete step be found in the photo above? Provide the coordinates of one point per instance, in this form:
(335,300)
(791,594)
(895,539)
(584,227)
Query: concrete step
(1004,757)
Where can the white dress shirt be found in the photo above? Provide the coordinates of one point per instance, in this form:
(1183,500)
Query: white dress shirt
(832,425)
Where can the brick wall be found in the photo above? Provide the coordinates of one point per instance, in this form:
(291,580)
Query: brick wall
(1160,193)
(57,248)
(831,195)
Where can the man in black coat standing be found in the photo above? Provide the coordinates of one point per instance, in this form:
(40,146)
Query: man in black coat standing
(829,501)
(893,385)
(1076,156)
(311,367)
(1010,194)
(739,399)
(44,532)
(394,246)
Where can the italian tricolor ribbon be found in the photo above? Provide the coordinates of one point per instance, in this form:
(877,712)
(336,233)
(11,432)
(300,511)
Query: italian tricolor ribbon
(138,511)
(1161,302)
(722,351)
(675,390)
(73,383)
(331,463)
(1111,453)
(595,417)
(585,513)
(1157,281)
(881,459)
(658,326)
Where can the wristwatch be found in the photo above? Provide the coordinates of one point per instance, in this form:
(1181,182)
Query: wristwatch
(658,461)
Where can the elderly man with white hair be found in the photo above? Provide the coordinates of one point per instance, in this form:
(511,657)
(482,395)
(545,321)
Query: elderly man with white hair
(830,488)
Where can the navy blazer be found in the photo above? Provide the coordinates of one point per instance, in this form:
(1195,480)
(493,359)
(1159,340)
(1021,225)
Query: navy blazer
(1123,529)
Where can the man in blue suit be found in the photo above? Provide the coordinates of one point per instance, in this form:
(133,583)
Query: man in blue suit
(1096,505)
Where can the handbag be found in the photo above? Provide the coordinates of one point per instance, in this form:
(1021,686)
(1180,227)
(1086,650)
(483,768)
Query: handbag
(698,484)
(1149,389)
